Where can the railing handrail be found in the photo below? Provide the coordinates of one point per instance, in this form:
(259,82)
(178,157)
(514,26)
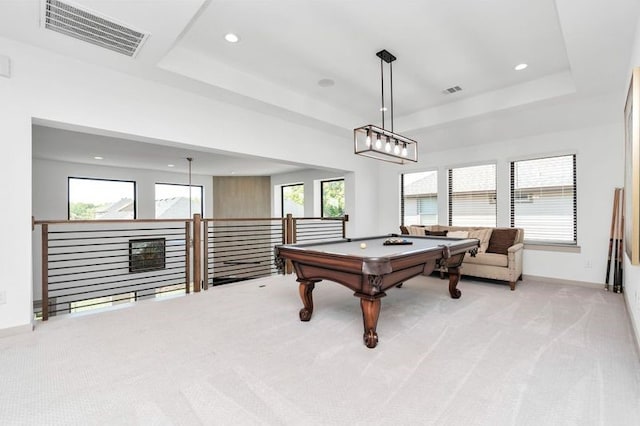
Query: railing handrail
(225,219)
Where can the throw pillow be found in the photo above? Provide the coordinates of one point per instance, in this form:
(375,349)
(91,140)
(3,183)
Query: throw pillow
(416,230)
(458,234)
(404,230)
(436,233)
(484,236)
(501,240)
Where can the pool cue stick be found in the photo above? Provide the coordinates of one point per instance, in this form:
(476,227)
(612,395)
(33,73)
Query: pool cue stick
(617,288)
(615,246)
(613,222)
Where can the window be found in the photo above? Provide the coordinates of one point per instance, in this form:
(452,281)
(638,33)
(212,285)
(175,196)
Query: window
(472,196)
(543,199)
(419,198)
(172,201)
(332,198)
(292,199)
(93,199)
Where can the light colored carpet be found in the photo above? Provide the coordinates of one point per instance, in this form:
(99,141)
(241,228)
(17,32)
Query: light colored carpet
(237,354)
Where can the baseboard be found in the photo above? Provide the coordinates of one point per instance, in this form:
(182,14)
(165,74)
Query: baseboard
(634,329)
(559,281)
(12,331)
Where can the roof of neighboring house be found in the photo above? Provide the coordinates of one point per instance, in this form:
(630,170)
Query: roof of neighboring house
(175,208)
(119,210)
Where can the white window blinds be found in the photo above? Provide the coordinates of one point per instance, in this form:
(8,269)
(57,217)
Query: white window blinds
(543,199)
(419,198)
(472,196)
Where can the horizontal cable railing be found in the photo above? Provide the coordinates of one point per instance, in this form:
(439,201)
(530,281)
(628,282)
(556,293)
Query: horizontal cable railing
(89,264)
(241,249)
(94,264)
(310,229)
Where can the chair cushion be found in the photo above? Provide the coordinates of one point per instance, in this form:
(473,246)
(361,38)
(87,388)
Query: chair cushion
(484,235)
(416,230)
(458,234)
(489,259)
(501,239)
(436,233)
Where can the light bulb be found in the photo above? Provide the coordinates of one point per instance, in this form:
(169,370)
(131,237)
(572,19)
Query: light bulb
(404,150)
(378,142)
(396,148)
(387,146)
(369,139)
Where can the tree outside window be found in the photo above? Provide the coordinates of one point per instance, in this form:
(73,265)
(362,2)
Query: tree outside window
(332,198)
(292,198)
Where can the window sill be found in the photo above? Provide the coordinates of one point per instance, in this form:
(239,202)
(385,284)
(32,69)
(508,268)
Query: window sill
(564,248)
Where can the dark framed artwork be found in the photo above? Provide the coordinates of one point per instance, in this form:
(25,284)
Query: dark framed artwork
(147,254)
(632,169)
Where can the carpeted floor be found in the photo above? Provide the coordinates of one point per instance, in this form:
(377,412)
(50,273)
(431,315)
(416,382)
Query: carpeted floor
(237,354)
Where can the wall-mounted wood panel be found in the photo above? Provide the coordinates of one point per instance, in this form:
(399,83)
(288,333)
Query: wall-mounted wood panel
(241,196)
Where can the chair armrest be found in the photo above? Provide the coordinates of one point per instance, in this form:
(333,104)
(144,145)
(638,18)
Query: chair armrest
(514,248)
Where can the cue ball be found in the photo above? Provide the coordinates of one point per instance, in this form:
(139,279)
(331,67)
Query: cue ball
(363,245)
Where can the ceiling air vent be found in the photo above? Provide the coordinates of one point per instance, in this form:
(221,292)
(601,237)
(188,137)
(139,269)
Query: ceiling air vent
(451,90)
(87,26)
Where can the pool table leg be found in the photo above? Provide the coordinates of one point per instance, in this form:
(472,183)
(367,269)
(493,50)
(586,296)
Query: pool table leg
(454,277)
(306,290)
(370,312)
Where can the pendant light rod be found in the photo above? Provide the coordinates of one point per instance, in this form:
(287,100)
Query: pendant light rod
(189,159)
(382,90)
(391,86)
(387,57)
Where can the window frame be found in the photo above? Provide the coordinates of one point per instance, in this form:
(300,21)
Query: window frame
(322,182)
(513,200)
(282,187)
(403,195)
(135,194)
(155,214)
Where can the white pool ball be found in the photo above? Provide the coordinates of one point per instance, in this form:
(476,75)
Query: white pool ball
(363,245)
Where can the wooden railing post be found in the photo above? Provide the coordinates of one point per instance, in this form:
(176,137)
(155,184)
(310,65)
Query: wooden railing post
(45,272)
(187,257)
(205,254)
(197,252)
(289,232)
(345,219)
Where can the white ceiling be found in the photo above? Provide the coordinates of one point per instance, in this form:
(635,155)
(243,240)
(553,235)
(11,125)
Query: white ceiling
(577,50)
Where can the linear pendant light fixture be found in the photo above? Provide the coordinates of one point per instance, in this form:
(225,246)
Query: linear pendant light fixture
(378,142)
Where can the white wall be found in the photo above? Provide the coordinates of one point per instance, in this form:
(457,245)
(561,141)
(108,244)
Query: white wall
(15,250)
(360,190)
(308,178)
(599,171)
(50,87)
(50,186)
(632,272)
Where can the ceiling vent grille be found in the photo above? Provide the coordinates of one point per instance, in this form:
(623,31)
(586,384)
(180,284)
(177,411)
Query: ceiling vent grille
(87,26)
(452,90)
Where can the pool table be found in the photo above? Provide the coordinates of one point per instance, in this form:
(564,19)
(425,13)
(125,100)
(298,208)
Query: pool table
(371,266)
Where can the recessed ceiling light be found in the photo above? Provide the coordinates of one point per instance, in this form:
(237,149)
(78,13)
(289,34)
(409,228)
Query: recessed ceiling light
(171,165)
(231,38)
(326,82)
(520,67)
(98,158)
